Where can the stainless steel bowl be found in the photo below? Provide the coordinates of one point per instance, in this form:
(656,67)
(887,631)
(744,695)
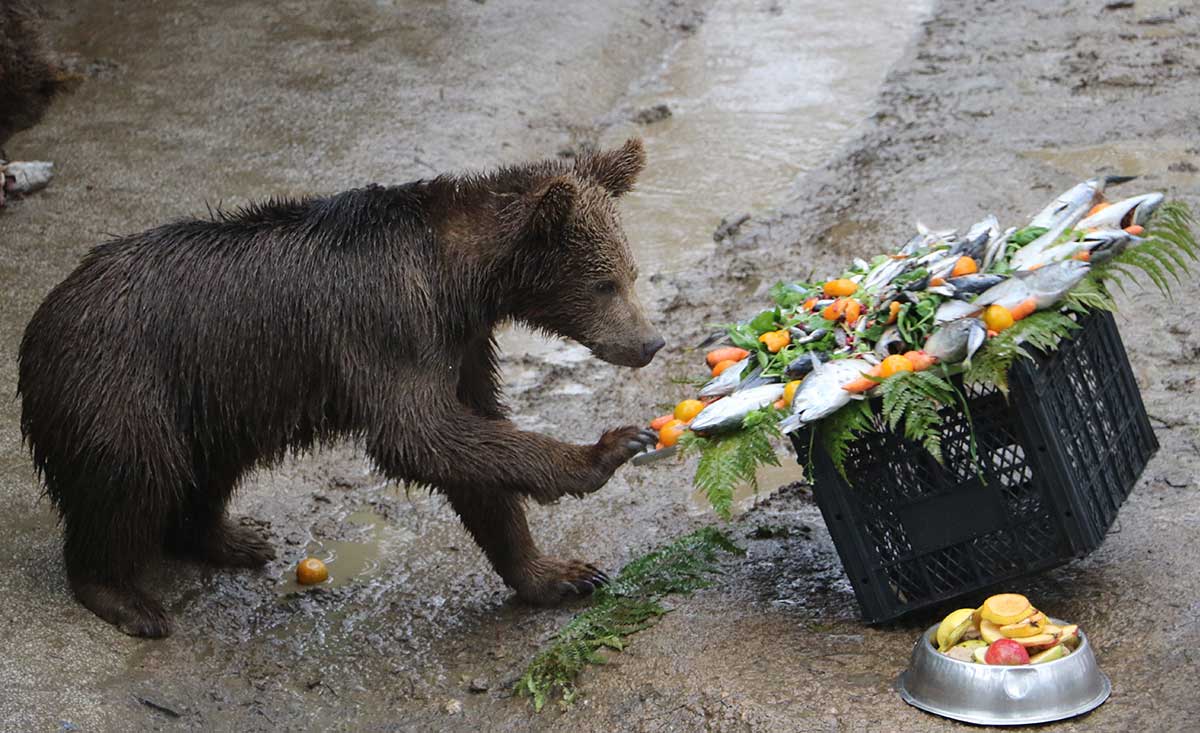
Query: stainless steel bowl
(995,695)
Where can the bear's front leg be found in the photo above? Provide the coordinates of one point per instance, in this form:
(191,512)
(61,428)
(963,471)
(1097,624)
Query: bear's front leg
(445,445)
(497,524)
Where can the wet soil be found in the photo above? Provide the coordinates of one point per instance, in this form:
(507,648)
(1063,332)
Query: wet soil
(990,107)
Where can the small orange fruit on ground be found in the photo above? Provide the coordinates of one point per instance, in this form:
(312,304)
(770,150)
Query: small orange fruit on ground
(997,317)
(311,571)
(669,434)
(964,266)
(894,364)
(840,288)
(722,366)
(688,409)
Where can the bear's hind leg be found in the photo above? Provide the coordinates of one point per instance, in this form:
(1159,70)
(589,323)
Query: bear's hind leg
(103,563)
(497,523)
(204,531)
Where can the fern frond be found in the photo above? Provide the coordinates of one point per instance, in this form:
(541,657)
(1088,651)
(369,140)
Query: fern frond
(630,603)
(732,460)
(1089,295)
(1168,251)
(915,398)
(838,430)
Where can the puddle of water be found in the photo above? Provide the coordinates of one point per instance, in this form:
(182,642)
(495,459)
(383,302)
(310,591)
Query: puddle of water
(770,479)
(1152,159)
(761,93)
(348,562)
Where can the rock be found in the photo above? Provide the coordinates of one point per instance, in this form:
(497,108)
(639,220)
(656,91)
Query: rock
(650,115)
(729,226)
(452,707)
(478,685)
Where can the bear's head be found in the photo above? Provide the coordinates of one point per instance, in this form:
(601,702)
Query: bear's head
(574,262)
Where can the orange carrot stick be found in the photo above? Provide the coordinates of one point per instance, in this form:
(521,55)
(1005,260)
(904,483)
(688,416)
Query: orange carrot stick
(862,384)
(1024,308)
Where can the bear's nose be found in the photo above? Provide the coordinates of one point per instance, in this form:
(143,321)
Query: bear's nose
(651,347)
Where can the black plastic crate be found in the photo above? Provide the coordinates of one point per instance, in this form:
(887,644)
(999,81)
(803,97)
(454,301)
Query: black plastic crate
(1056,460)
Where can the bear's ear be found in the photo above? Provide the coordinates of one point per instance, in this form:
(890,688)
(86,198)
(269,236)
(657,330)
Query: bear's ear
(615,170)
(542,210)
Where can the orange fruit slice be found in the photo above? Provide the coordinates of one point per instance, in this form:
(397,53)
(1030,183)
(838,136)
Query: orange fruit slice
(1006,608)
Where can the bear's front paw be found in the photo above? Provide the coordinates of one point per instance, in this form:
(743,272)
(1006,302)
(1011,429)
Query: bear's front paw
(620,444)
(549,582)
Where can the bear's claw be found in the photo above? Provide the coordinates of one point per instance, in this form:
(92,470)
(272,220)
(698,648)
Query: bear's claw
(553,581)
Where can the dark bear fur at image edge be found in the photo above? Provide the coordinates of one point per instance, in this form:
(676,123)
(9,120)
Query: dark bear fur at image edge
(29,80)
(170,363)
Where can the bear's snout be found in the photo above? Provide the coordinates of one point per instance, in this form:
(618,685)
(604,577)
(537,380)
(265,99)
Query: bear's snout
(651,347)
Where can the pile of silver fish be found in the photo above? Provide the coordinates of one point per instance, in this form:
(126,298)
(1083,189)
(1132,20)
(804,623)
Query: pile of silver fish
(941,283)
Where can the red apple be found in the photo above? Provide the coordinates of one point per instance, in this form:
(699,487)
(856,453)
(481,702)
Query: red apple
(1006,651)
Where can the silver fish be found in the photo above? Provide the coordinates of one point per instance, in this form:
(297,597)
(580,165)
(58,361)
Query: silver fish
(957,341)
(726,382)
(1049,284)
(804,364)
(1123,213)
(1105,244)
(1034,253)
(995,249)
(653,456)
(1084,194)
(966,285)
(952,310)
(754,379)
(889,342)
(821,393)
(727,413)
(1010,293)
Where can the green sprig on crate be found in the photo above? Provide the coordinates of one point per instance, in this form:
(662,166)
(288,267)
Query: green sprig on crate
(632,602)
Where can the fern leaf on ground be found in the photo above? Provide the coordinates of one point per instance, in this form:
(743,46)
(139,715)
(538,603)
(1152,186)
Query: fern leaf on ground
(630,603)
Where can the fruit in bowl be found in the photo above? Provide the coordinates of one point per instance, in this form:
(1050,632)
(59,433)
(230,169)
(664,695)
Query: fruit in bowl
(1006,630)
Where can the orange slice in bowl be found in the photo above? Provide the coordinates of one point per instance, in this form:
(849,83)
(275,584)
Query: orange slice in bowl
(1006,608)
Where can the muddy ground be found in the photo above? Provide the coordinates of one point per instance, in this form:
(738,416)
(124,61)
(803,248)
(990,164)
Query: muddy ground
(992,107)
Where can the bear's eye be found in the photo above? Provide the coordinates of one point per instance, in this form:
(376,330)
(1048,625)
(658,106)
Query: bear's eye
(606,287)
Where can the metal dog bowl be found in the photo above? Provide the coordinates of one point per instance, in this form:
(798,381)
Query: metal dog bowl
(996,695)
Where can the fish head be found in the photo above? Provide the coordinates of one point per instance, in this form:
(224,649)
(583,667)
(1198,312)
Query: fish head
(573,262)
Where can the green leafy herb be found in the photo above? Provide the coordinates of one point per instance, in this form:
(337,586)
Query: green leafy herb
(1022,237)
(629,604)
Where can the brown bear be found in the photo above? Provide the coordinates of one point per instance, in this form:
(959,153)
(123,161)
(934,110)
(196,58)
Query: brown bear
(172,362)
(29,80)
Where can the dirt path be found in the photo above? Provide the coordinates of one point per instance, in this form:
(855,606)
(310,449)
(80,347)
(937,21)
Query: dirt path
(982,114)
